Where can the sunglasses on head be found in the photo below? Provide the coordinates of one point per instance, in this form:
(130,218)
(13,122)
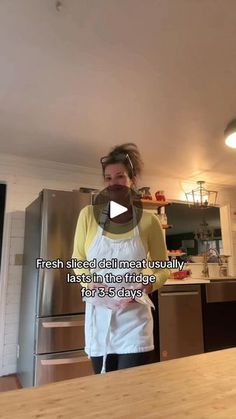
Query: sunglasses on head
(117,157)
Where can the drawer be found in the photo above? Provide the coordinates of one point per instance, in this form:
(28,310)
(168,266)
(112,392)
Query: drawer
(62,366)
(217,292)
(57,334)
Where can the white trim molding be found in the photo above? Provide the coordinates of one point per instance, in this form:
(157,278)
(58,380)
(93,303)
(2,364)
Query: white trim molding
(4,270)
(227,238)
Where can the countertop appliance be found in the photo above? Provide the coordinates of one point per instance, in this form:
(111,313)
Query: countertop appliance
(51,331)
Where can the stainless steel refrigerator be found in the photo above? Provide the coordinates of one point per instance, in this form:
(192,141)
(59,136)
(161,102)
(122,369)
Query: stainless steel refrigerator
(51,330)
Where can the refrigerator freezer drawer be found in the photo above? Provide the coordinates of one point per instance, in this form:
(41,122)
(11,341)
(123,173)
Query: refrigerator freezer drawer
(57,334)
(62,366)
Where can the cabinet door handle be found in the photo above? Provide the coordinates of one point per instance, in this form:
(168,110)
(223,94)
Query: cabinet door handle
(171,294)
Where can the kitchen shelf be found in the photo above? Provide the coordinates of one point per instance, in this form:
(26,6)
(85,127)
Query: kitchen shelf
(175,254)
(152,203)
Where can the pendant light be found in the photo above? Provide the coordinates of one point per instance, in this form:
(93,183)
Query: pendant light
(201,197)
(204,231)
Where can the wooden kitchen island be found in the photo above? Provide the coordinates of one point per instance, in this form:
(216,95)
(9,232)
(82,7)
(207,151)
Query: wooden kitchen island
(199,386)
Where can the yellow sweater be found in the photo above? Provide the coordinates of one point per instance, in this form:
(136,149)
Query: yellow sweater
(150,232)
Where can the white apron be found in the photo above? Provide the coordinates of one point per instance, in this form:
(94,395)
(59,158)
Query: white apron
(130,328)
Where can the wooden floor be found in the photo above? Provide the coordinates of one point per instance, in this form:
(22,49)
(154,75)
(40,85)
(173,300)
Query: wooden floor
(9,382)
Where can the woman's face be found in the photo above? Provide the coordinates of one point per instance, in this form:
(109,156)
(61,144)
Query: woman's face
(117,174)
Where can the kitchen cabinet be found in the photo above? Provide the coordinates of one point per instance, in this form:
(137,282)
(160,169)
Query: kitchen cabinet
(219,315)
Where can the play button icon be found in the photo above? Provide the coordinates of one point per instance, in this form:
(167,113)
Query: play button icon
(116,209)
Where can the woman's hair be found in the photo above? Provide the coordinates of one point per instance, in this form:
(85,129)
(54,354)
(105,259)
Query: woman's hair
(128,154)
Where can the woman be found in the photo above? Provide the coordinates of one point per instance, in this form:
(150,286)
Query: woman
(120,338)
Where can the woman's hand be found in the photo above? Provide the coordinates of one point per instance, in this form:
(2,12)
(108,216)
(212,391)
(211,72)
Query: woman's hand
(148,289)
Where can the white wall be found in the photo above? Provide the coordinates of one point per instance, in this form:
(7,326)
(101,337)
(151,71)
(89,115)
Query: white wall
(25,178)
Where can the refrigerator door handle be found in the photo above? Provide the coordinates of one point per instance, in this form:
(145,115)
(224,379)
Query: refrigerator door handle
(63,361)
(72,323)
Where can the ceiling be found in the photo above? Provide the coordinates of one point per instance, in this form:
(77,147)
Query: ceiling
(160,73)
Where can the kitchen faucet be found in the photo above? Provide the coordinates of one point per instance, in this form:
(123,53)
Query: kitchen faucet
(206,254)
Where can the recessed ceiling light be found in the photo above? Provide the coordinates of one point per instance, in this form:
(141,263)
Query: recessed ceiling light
(230,134)
(230,140)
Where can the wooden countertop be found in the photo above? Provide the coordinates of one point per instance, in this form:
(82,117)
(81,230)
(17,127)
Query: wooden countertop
(199,386)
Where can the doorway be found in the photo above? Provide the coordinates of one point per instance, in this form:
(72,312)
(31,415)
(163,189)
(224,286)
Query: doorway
(2,211)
